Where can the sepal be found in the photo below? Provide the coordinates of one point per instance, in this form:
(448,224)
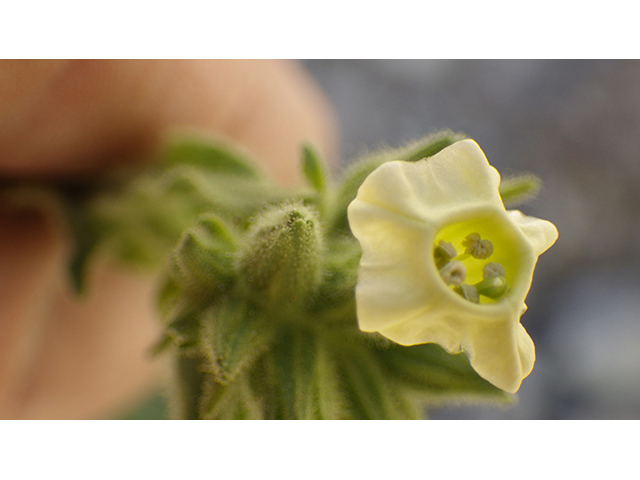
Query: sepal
(233,335)
(306,378)
(214,156)
(203,262)
(519,189)
(313,168)
(429,369)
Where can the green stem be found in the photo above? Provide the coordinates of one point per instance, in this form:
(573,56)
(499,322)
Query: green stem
(189,383)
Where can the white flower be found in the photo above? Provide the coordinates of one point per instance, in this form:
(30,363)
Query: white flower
(413,221)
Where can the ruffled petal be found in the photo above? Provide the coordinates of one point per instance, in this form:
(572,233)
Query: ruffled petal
(457,177)
(394,274)
(539,233)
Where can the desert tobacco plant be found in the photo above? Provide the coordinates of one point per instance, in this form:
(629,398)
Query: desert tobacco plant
(272,309)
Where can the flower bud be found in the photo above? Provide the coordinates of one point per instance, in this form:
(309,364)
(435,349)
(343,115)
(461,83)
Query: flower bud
(281,259)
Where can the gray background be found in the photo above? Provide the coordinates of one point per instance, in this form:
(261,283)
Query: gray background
(576,124)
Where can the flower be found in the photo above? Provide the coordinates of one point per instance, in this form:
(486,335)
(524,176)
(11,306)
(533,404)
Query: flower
(444,262)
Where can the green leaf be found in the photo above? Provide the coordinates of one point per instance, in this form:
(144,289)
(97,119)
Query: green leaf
(233,336)
(215,156)
(428,368)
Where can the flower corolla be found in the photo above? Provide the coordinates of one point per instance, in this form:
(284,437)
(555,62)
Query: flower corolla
(444,262)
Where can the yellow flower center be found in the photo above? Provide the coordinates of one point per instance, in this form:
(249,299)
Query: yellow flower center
(477,259)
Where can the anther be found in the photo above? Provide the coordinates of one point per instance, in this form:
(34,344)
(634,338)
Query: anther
(443,253)
(493,270)
(476,247)
(453,273)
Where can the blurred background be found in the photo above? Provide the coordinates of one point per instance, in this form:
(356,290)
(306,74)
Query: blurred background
(575,124)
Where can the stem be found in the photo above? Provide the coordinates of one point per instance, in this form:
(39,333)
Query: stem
(189,383)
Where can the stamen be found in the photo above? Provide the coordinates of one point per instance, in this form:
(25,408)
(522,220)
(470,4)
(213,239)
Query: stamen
(468,292)
(493,270)
(476,247)
(453,273)
(443,253)
(492,287)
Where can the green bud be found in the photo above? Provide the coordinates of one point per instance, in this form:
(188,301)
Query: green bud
(203,261)
(281,259)
(312,168)
(517,190)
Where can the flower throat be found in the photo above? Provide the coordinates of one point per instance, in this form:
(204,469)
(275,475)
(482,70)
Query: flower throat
(453,269)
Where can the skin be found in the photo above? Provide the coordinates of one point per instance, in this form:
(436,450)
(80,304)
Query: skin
(62,357)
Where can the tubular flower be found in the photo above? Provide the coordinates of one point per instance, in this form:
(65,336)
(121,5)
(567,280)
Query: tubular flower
(444,262)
